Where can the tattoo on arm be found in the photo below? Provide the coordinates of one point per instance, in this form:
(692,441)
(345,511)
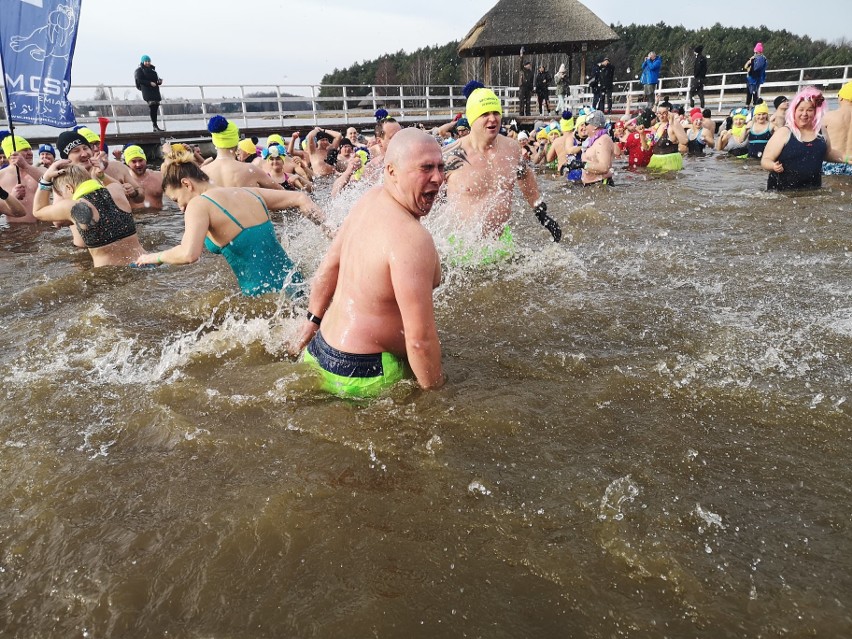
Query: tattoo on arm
(455,159)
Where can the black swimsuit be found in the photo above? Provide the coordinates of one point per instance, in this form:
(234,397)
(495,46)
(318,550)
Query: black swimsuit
(112,225)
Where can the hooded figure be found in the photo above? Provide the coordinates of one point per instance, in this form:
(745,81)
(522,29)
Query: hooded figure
(148,82)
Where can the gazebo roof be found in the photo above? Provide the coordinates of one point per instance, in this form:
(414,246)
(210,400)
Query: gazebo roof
(540,26)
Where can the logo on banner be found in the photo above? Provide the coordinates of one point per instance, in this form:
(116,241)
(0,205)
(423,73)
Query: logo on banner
(38,39)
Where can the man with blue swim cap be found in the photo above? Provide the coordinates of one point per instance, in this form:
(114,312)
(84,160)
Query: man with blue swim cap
(482,169)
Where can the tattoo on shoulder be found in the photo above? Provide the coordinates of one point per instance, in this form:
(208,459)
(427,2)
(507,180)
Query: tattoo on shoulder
(455,158)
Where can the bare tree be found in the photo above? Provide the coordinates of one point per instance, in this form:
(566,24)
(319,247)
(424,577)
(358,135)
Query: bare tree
(420,74)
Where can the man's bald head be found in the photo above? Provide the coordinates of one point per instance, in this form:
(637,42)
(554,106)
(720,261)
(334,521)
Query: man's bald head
(405,143)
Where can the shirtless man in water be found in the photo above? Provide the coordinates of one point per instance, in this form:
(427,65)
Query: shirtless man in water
(20,164)
(373,290)
(151,181)
(226,170)
(482,169)
(838,124)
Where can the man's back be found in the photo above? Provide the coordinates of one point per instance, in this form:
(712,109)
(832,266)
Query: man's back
(377,241)
(225,171)
(838,123)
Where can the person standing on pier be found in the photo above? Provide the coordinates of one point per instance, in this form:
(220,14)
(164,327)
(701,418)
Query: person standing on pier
(525,85)
(651,67)
(755,69)
(148,82)
(699,76)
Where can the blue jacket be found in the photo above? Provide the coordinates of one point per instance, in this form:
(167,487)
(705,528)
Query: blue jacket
(756,73)
(651,70)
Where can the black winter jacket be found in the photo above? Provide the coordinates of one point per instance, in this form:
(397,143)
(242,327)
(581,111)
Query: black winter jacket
(144,76)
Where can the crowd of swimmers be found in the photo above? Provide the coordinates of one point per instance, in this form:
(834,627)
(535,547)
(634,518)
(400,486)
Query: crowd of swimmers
(372,293)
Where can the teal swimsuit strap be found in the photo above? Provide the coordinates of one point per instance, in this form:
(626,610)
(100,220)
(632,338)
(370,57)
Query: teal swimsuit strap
(225,211)
(259,199)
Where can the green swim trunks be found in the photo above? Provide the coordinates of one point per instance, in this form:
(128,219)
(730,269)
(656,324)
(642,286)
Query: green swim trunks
(463,256)
(353,375)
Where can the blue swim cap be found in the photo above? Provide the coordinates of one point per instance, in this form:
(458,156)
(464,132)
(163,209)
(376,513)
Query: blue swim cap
(146,58)
(47,148)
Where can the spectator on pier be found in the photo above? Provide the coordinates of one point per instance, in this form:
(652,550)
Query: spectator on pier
(543,79)
(838,124)
(563,88)
(755,68)
(225,169)
(606,77)
(699,76)
(525,85)
(148,82)
(651,67)
(795,153)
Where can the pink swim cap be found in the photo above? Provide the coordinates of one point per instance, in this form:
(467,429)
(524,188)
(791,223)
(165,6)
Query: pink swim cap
(758,48)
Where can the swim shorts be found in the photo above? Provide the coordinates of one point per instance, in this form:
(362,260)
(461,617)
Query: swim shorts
(836,168)
(667,162)
(460,255)
(353,375)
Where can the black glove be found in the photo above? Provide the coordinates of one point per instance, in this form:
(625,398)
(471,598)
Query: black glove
(3,193)
(547,222)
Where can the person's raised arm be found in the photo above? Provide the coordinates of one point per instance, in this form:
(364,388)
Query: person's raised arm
(412,271)
(277,200)
(676,129)
(60,210)
(336,137)
(197,223)
(312,140)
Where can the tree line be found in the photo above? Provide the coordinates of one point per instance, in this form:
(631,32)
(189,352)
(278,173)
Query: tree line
(727,49)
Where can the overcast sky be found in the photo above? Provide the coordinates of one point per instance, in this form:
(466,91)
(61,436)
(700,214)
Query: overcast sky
(298,41)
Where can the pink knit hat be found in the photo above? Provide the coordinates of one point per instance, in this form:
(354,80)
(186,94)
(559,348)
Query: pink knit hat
(758,48)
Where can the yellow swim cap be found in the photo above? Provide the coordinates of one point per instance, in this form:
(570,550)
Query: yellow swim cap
(275,139)
(541,135)
(845,92)
(227,139)
(247,146)
(566,125)
(91,136)
(580,121)
(480,102)
(20,144)
(132,152)
(761,108)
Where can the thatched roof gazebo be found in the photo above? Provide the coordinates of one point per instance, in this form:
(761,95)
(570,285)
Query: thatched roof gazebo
(539,26)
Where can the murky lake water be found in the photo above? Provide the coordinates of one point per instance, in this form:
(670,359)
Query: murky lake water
(646,432)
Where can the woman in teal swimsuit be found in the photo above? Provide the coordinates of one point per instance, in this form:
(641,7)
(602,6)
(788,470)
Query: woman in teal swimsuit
(234,222)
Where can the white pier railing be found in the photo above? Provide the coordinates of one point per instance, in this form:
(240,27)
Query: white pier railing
(188,107)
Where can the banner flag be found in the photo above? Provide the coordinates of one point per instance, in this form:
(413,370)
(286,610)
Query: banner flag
(37,39)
